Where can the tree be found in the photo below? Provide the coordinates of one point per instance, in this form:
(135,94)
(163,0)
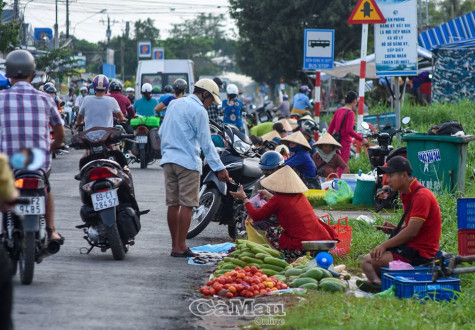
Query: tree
(443,11)
(271,35)
(9,32)
(57,63)
(146,30)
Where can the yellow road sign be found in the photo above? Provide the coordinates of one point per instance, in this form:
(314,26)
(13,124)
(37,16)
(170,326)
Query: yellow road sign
(366,12)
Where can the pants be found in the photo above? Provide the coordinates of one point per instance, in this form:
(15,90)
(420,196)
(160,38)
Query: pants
(6,291)
(344,154)
(129,130)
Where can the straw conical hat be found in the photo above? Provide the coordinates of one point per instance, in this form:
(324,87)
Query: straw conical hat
(298,138)
(306,117)
(284,181)
(293,122)
(327,138)
(270,136)
(286,125)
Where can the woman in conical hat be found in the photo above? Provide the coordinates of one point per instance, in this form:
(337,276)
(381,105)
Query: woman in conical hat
(326,158)
(300,159)
(294,213)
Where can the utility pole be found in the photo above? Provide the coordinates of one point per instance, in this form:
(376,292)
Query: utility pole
(67,19)
(122,61)
(419,15)
(127,29)
(56,33)
(16,13)
(108,32)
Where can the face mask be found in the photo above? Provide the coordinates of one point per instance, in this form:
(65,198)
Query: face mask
(91,91)
(148,96)
(294,149)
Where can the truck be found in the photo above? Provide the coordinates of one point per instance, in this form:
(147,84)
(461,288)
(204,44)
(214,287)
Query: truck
(160,73)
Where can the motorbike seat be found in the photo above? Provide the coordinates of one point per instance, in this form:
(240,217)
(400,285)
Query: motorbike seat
(251,168)
(28,173)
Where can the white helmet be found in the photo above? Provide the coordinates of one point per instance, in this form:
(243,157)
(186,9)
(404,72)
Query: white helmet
(210,86)
(232,89)
(83,89)
(147,88)
(129,89)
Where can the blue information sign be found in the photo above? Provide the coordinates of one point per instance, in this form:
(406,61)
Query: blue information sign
(318,49)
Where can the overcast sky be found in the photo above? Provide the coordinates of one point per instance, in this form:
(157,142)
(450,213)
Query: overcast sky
(87,23)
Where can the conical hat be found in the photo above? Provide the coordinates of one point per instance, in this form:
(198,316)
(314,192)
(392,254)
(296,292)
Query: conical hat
(298,138)
(284,181)
(306,117)
(327,138)
(286,125)
(270,136)
(293,122)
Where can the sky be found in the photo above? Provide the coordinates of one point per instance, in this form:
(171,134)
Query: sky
(87,23)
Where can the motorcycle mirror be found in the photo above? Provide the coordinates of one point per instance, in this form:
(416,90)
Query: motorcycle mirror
(29,159)
(406,120)
(365,125)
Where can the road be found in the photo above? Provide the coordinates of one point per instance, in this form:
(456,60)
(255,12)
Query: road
(147,290)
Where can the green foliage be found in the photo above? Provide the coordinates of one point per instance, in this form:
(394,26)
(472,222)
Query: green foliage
(57,63)
(146,30)
(9,32)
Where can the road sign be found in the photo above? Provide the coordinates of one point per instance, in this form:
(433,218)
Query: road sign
(144,49)
(158,54)
(366,12)
(318,49)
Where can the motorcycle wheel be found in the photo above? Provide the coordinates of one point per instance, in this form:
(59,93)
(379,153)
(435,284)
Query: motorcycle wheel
(209,205)
(237,229)
(115,243)
(27,258)
(143,159)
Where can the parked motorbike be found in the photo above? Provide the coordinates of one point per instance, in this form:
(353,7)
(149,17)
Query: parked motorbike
(380,155)
(262,114)
(24,232)
(216,204)
(110,212)
(147,149)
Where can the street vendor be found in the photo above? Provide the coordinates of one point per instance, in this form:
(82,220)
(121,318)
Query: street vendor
(326,157)
(294,213)
(416,239)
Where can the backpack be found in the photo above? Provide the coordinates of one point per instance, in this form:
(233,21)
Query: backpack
(447,128)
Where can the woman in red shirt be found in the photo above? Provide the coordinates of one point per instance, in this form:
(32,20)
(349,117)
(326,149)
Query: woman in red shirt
(347,132)
(294,213)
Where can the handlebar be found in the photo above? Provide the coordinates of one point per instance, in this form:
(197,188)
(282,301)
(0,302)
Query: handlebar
(444,271)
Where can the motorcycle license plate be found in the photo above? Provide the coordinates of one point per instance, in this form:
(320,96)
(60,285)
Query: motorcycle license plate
(36,206)
(142,138)
(104,200)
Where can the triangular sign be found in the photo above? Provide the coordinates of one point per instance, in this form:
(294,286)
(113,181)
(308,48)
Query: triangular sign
(366,12)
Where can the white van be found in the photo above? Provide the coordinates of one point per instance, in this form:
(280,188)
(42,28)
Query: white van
(160,73)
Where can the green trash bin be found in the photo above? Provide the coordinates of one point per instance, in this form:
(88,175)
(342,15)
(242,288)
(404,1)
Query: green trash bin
(438,161)
(364,193)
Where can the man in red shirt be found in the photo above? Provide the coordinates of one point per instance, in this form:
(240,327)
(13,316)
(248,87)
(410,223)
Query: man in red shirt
(416,241)
(126,107)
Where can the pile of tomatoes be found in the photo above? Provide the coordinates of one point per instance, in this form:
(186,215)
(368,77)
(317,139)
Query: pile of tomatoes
(247,282)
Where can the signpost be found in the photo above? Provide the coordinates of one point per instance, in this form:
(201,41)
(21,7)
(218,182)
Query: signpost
(144,49)
(318,54)
(366,12)
(158,53)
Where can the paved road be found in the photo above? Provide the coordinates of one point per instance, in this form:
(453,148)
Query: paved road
(147,290)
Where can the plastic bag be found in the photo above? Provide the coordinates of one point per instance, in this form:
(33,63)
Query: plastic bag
(399,265)
(257,201)
(344,194)
(253,235)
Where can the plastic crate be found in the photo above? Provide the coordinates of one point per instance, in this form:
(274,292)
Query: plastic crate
(421,286)
(466,213)
(387,281)
(466,242)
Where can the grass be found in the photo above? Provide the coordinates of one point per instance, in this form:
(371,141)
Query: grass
(331,311)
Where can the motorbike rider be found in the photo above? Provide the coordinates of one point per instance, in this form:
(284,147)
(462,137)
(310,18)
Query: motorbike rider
(28,114)
(130,94)
(301,101)
(146,105)
(215,112)
(127,109)
(51,91)
(98,110)
(179,87)
(80,98)
(283,110)
(232,108)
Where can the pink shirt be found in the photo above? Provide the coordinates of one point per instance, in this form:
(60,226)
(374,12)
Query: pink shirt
(347,131)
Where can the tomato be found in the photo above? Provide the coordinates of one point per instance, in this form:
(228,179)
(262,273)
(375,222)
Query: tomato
(256,293)
(206,292)
(212,292)
(256,280)
(237,268)
(255,287)
(247,269)
(210,283)
(253,269)
(273,289)
(284,286)
(229,279)
(244,293)
(241,276)
(227,273)
(250,294)
(238,281)
(217,287)
(247,279)
(229,295)
(262,291)
(221,280)
(268,290)
(232,289)
(202,289)
(261,286)
(264,276)
(234,273)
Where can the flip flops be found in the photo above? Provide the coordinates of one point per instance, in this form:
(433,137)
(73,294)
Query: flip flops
(186,254)
(368,287)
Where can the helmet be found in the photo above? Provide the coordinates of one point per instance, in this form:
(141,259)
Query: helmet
(285,97)
(83,89)
(168,89)
(19,64)
(304,89)
(210,86)
(147,88)
(115,86)
(308,124)
(232,89)
(100,82)
(129,89)
(156,90)
(180,85)
(50,89)
(218,81)
(271,160)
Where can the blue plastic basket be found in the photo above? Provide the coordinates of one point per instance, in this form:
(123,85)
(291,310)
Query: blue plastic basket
(466,213)
(421,286)
(387,281)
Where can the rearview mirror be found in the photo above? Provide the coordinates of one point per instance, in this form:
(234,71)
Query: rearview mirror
(365,125)
(406,120)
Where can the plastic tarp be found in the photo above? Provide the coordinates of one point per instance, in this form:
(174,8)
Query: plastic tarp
(216,248)
(3,79)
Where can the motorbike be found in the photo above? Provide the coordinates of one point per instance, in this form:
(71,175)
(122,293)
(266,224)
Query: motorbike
(147,147)
(215,202)
(110,212)
(24,231)
(256,116)
(380,155)
(58,152)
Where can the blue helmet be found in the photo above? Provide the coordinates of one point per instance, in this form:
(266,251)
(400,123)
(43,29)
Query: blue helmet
(271,160)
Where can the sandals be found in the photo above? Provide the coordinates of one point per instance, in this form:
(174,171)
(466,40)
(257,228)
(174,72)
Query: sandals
(59,240)
(368,287)
(187,254)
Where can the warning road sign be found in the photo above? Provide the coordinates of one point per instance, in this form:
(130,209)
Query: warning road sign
(366,12)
